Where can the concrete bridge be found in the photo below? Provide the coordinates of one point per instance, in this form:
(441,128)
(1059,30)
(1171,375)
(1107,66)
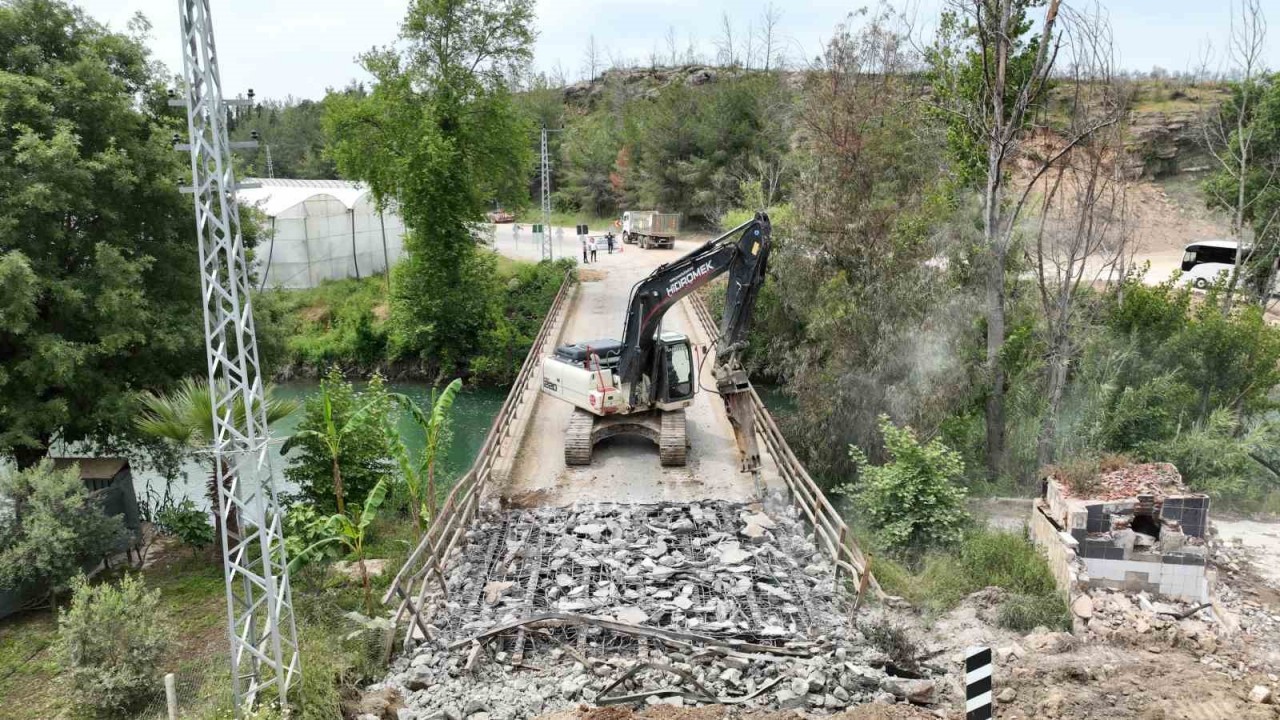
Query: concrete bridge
(513,548)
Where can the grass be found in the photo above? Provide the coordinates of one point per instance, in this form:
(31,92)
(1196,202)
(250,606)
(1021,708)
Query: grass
(983,558)
(194,608)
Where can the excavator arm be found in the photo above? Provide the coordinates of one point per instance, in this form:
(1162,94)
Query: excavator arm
(743,254)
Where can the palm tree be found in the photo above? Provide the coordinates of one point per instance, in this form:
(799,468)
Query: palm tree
(185,416)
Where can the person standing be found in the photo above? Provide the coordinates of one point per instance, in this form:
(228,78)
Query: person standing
(585,259)
(591,242)
(608,241)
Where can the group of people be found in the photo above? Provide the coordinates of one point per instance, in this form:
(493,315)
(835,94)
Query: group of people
(590,245)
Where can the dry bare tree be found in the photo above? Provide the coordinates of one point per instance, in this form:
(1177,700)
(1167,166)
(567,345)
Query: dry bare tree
(770,42)
(1229,138)
(590,58)
(996,111)
(726,47)
(1083,230)
(672,52)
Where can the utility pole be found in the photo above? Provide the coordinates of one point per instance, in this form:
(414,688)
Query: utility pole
(260,622)
(271,170)
(546,197)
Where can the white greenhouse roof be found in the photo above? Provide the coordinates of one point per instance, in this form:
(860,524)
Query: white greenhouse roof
(278,195)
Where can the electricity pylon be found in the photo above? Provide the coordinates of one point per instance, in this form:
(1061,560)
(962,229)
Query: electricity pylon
(260,622)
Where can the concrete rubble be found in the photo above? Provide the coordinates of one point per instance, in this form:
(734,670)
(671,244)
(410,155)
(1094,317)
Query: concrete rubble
(674,604)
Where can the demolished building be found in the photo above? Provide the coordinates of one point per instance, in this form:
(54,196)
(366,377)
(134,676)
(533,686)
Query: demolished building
(1136,528)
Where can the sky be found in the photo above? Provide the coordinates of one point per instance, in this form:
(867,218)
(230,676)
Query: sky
(301,47)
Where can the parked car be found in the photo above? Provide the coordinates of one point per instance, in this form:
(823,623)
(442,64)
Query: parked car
(499,216)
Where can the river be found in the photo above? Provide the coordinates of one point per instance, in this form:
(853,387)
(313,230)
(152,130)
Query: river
(473,413)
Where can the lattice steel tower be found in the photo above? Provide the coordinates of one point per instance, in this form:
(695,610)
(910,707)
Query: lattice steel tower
(264,647)
(546,198)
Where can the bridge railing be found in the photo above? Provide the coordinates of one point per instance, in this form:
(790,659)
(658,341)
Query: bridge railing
(426,564)
(829,528)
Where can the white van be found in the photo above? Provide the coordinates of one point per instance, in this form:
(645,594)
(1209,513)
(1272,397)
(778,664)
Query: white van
(1203,262)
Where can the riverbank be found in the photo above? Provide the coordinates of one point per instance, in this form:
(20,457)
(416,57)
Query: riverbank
(350,324)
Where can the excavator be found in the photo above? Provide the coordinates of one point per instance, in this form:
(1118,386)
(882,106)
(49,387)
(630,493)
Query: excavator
(640,385)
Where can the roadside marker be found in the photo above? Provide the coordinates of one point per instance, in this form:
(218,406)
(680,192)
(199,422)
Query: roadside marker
(977,683)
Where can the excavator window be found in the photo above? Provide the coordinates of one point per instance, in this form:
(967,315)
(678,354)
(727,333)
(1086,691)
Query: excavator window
(679,372)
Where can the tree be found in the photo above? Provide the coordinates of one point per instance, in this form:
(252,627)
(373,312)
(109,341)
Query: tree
(110,643)
(1083,229)
(1243,136)
(55,526)
(350,532)
(439,134)
(99,279)
(853,290)
(184,417)
(590,59)
(420,477)
(989,78)
(770,41)
(342,442)
(914,502)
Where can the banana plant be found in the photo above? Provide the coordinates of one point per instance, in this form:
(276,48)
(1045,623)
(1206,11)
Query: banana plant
(420,476)
(350,533)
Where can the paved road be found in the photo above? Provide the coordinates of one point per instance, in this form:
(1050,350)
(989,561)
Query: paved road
(623,469)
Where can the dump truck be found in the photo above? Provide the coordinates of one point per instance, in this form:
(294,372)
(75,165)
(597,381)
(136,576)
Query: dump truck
(649,228)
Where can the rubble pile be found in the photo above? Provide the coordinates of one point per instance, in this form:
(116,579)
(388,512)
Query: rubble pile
(641,604)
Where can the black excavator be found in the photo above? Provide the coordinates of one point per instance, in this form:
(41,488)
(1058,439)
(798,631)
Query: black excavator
(641,384)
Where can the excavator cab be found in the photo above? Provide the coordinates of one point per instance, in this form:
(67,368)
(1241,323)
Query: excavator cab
(675,372)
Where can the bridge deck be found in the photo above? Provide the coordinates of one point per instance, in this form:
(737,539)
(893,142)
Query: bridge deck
(626,469)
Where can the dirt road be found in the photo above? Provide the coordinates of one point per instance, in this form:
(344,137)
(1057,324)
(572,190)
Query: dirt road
(623,469)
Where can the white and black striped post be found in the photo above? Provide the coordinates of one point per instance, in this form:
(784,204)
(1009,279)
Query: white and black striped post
(977,683)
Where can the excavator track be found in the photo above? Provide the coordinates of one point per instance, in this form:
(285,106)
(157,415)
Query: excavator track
(577,438)
(673,442)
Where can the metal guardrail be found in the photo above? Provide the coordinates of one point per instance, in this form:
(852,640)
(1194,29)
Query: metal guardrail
(829,528)
(429,558)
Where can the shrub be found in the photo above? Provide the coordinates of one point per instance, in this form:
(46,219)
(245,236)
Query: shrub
(913,502)
(110,643)
(55,527)
(187,523)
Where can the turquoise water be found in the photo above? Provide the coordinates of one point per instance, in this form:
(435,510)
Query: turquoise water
(473,413)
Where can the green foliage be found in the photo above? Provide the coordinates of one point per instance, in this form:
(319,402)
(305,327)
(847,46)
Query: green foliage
(1217,457)
(110,642)
(419,478)
(339,322)
(351,532)
(438,133)
(1024,613)
(960,61)
(521,304)
(344,428)
(187,523)
(98,296)
(294,130)
(1252,113)
(184,415)
(983,558)
(303,528)
(913,502)
(53,528)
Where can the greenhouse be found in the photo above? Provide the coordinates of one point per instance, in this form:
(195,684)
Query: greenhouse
(321,230)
